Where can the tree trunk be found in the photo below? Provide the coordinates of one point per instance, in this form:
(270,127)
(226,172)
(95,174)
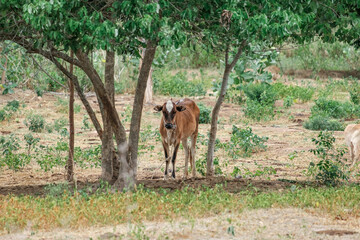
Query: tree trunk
(128,158)
(70,161)
(215,113)
(109,161)
(117,127)
(149,83)
(214,120)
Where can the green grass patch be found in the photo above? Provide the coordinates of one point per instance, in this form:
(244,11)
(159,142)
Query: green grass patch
(81,209)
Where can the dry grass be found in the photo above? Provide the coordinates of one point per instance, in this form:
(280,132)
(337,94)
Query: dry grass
(99,209)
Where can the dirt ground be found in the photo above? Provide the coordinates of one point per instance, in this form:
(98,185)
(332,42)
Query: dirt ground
(286,137)
(288,223)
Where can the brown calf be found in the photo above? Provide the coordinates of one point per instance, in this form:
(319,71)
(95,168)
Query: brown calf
(179,121)
(352,139)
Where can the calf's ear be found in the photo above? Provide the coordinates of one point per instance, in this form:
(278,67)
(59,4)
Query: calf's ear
(158,108)
(180,108)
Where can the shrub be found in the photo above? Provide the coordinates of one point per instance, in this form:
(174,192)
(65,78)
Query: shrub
(35,122)
(260,92)
(204,113)
(9,157)
(335,109)
(244,142)
(178,85)
(330,169)
(323,123)
(258,111)
(288,102)
(354,91)
(303,94)
(60,123)
(8,111)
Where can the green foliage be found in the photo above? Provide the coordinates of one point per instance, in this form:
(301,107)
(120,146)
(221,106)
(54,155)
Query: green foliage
(260,101)
(335,109)
(9,156)
(260,92)
(86,123)
(60,123)
(8,88)
(88,158)
(354,91)
(257,111)
(31,141)
(288,102)
(320,55)
(245,172)
(243,143)
(303,94)
(319,122)
(205,113)
(329,170)
(177,85)
(63,106)
(35,122)
(200,165)
(8,111)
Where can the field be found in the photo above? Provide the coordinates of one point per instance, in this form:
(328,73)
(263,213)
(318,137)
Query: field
(265,178)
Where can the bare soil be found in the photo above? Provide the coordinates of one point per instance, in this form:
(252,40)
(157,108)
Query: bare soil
(275,223)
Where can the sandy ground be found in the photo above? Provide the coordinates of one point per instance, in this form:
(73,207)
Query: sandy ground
(288,223)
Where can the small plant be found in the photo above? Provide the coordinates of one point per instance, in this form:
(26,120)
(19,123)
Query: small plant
(63,106)
(288,102)
(323,123)
(200,165)
(258,111)
(126,114)
(9,88)
(30,141)
(259,172)
(205,113)
(35,122)
(60,123)
(260,92)
(354,91)
(244,142)
(9,147)
(330,169)
(8,111)
(86,123)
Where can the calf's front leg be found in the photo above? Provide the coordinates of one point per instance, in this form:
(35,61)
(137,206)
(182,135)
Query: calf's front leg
(167,159)
(174,158)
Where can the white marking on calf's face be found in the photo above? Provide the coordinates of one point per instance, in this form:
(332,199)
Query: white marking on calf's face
(169,106)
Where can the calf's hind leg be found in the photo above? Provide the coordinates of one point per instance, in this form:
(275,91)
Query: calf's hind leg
(192,155)
(186,150)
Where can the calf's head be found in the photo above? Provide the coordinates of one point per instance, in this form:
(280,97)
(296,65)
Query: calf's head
(169,110)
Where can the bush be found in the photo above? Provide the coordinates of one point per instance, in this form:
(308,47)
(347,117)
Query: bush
(244,142)
(330,169)
(8,111)
(35,122)
(335,109)
(303,94)
(260,92)
(204,113)
(9,157)
(323,123)
(178,85)
(258,111)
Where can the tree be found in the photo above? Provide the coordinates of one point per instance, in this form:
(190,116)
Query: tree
(53,28)
(236,29)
